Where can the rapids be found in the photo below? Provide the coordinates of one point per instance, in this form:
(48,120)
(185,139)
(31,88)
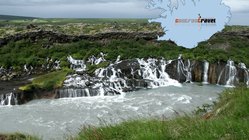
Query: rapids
(59,118)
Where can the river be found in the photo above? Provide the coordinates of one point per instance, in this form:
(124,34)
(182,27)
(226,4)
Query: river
(60,118)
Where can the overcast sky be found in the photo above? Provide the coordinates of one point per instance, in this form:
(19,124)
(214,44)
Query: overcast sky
(102,9)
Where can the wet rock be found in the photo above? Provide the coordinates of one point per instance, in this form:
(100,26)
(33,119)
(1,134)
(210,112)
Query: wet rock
(198,71)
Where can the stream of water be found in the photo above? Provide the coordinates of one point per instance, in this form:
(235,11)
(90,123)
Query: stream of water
(57,119)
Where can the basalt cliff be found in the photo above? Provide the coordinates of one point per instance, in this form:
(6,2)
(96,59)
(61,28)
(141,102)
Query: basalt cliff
(121,75)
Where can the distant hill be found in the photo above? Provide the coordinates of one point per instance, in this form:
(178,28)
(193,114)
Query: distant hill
(10,17)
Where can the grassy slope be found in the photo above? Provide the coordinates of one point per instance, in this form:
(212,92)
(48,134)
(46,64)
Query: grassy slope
(228,121)
(75,26)
(23,52)
(48,81)
(17,136)
(17,54)
(27,20)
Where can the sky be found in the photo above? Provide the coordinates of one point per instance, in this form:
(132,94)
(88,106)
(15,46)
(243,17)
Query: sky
(103,9)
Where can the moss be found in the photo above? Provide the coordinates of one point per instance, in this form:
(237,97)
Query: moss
(91,68)
(48,81)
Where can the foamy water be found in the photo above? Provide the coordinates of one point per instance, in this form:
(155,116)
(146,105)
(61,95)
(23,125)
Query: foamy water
(56,119)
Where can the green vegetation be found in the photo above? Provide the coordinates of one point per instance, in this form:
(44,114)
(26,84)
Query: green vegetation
(48,81)
(235,28)
(228,121)
(92,68)
(222,48)
(17,136)
(76,26)
(218,48)
(17,54)
(60,21)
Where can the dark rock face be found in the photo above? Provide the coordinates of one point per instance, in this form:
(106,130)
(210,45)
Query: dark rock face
(54,37)
(198,71)
(171,69)
(215,71)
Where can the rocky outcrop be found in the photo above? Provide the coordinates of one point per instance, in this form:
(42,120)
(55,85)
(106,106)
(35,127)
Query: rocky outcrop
(244,33)
(55,37)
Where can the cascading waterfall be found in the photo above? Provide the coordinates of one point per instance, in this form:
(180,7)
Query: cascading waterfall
(184,70)
(105,82)
(205,72)
(112,81)
(57,65)
(189,74)
(77,65)
(129,75)
(95,61)
(156,74)
(8,99)
(229,73)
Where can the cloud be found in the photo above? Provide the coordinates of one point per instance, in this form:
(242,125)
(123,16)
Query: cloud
(60,2)
(238,5)
(117,9)
(95,8)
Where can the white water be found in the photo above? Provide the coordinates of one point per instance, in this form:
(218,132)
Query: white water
(158,76)
(205,72)
(184,70)
(95,61)
(77,65)
(55,119)
(229,73)
(7,99)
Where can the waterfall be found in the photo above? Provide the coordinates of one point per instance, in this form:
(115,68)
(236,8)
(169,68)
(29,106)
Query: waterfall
(150,73)
(229,73)
(74,92)
(189,74)
(57,65)
(156,74)
(8,99)
(25,68)
(205,72)
(95,61)
(184,70)
(77,65)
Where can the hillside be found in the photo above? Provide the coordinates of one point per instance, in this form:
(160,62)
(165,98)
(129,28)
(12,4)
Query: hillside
(83,40)
(10,17)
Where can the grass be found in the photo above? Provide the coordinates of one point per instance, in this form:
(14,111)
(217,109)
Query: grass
(76,26)
(229,120)
(218,48)
(17,136)
(91,68)
(48,81)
